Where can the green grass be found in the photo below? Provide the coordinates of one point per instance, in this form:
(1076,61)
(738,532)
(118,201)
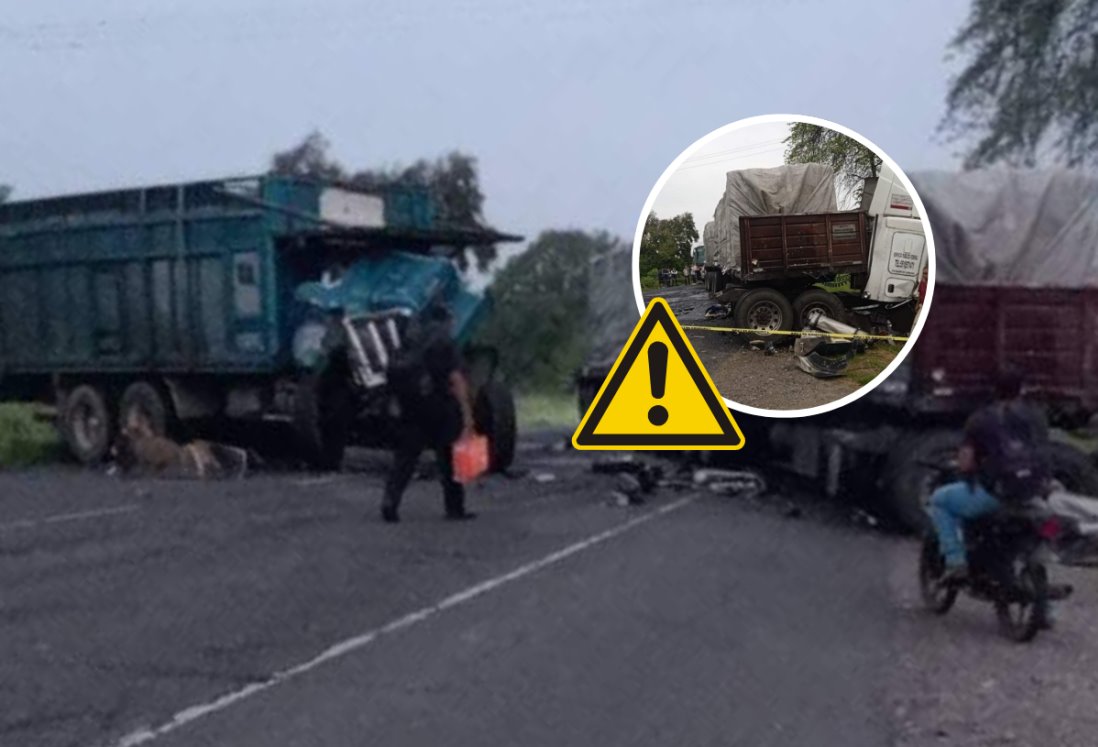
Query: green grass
(26,439)
(865,367)
(547,410)
(651,280)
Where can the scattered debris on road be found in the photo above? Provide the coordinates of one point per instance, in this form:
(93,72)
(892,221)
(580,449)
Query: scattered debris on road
(731,482)
(635,477)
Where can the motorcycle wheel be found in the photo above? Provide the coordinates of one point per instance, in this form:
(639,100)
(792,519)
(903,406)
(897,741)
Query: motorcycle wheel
(937,597)
(1020,618)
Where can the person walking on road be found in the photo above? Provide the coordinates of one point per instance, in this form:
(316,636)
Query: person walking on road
(433,409)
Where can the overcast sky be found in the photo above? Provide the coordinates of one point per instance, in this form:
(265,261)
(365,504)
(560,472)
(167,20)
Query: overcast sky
(574,108)
(698,183)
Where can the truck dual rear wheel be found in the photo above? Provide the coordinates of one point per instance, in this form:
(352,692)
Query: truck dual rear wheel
(909,478)
(324,411)
(764,310)
(86,424)
(143,400)
(494,413)
(817,299)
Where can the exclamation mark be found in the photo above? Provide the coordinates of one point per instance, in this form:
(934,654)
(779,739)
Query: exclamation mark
(657,377)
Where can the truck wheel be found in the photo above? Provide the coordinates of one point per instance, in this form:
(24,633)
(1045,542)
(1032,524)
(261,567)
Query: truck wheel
(494,413)
(909,481)
(817,299)
(764,310)
(1073,469)
(143,400)
(86,424)
(324,411)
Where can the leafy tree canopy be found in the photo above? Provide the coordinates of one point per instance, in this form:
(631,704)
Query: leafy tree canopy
(667,243)
(1029,87)
(851,161)
(5,192)
(541,297)
(453,181)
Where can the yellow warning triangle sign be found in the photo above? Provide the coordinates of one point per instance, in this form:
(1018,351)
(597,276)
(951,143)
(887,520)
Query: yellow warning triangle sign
(658,395)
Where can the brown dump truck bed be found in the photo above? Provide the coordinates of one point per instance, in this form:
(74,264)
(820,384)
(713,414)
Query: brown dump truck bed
(972,333)
(774,247)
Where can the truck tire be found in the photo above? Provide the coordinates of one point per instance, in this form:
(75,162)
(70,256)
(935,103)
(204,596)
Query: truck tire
(909,481)
(1073,469)
(815,299)
(323,413)
(764,310)
(87,425)
(144,400)
(494,413)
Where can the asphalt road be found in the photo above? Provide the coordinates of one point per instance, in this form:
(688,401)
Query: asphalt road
(280,610)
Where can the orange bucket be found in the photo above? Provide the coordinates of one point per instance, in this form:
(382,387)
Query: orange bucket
(470,458)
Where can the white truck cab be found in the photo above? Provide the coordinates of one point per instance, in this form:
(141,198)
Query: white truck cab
(898,243)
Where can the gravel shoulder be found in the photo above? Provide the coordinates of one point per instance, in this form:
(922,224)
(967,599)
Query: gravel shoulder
(746,375)
(957,682)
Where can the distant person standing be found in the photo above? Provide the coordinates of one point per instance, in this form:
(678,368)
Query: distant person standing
(434,409)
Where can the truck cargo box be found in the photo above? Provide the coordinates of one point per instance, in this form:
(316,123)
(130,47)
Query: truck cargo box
(1016,287)
(973,333)
(776,247)
(187,278)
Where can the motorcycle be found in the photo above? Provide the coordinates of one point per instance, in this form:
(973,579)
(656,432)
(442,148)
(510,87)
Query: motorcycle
(1008,551)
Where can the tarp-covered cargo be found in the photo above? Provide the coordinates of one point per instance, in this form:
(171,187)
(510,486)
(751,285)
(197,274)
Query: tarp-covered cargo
(1016,228)
(612,309)
(1017,266)
(784,190)
(709,239)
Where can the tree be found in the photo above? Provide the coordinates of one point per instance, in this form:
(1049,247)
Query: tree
(1030,83)
(539,324)
(5,192)
(452,180)
(851,161)
(667,243)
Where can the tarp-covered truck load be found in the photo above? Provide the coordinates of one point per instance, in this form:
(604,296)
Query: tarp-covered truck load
(1016,288)
(1016,285)
(611,316)
(777,234)
(784,190)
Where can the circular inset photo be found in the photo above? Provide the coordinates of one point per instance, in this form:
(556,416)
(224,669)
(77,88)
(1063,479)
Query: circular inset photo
(797,258)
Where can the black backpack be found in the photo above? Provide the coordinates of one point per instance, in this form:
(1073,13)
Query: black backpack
(1020,470)
(409,377)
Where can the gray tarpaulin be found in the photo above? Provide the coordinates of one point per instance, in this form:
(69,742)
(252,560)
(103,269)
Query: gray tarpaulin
(709,238)
(1011,227)
(785,190)
(612,310)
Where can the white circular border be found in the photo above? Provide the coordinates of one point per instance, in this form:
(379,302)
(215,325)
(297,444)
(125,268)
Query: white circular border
(791,118)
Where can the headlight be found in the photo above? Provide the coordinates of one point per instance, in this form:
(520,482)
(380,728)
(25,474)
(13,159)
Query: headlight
(308,345)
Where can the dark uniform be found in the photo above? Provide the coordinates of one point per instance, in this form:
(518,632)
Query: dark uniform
(429,417)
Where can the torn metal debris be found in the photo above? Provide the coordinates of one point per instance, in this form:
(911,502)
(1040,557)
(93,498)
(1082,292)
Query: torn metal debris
(821,354)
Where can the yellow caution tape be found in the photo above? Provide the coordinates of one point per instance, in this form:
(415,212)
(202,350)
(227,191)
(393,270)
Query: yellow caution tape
(815,333)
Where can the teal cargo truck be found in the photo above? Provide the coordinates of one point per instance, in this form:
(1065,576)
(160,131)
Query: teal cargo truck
(263,299)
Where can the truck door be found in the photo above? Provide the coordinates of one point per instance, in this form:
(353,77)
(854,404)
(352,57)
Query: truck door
(896,260)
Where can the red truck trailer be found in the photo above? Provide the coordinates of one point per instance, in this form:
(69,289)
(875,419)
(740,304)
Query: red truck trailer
(1017,287)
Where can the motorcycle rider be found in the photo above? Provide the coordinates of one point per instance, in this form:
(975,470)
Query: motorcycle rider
(1002,459)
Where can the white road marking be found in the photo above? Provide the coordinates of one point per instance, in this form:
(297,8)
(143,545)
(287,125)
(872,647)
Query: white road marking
(343,648)
(78,516)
